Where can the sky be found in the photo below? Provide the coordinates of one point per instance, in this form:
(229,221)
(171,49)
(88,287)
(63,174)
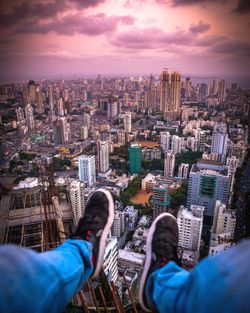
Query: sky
(42,38)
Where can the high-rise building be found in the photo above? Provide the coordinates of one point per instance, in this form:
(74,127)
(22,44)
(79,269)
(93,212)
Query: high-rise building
(112,109)
(118,226)
(224,220)
(127,122)
(208,181)
(183,170)
(86,167)
(20,116)
(223,229)
(219,144)
(203,92)
(176,144)
(51,104)
(170,94)
(169,164)
(110,259)
(190,227)
(39,101)
(165,141)
(222,91)
(164,89)
(161,199)
(103,156)
(201,139)
(76,195)
(61,130)
(86,120)
(121,136)
(29,118)
(135,158)
(60,107)
(84,132)
(32,91)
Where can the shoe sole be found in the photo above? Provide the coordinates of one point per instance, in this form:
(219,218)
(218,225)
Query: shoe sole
(148,259)
(105,232)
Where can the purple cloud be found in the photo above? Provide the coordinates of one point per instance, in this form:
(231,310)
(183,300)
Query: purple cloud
(150,38)
(91,25)
(199,28)
(28,11)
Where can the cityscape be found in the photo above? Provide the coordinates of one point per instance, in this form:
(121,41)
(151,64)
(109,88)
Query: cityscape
(159,140)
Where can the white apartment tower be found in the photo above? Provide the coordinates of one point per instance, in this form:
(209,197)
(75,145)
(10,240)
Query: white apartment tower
(86,120)
(183,170)
(76,194)
(87,172)
(176,145)
(169,164)
(103,156)
(118,226)
(219,142)
(128,122)
(190,227)
(224,220)
(165,141)
(110,259)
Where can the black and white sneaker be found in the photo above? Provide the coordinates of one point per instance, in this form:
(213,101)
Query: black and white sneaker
(96,224)
(162,247)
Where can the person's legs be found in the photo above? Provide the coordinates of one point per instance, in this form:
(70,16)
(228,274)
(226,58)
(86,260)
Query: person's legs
(216,285)
(43,282)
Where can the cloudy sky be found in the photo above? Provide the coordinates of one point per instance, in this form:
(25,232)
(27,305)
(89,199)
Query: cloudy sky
(62,37)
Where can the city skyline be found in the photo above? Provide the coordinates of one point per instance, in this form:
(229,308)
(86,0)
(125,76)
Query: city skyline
(42,38)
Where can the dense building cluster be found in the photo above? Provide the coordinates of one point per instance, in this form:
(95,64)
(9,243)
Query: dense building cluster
(159,143)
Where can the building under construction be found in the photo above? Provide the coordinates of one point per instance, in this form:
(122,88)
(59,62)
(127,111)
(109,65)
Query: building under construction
(37,214)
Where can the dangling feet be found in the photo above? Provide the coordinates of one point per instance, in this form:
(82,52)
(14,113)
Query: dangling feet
(96,224)
(162,244)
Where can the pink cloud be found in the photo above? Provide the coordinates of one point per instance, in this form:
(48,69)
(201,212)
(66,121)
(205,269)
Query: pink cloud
(90,25)
(200,27)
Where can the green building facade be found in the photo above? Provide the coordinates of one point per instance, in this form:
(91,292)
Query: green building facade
(135,159)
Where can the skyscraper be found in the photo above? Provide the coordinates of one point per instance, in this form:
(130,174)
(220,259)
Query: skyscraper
(219,143)
(103,156)
(183,170)
(190,227)
(164,89)
(20,115)
(127,122)
(51,104)
(112,109)
(86,168)
(222,91)
(135,158)
(161,199)
(165,141)
(208,181)
(76,194)
(170,94)
(118,226)
(176,144)
(61,130)
(86,120)
(29,118)
(169,164)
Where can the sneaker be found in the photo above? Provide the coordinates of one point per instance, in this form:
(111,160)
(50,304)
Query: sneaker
(96,224)
(162,247)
